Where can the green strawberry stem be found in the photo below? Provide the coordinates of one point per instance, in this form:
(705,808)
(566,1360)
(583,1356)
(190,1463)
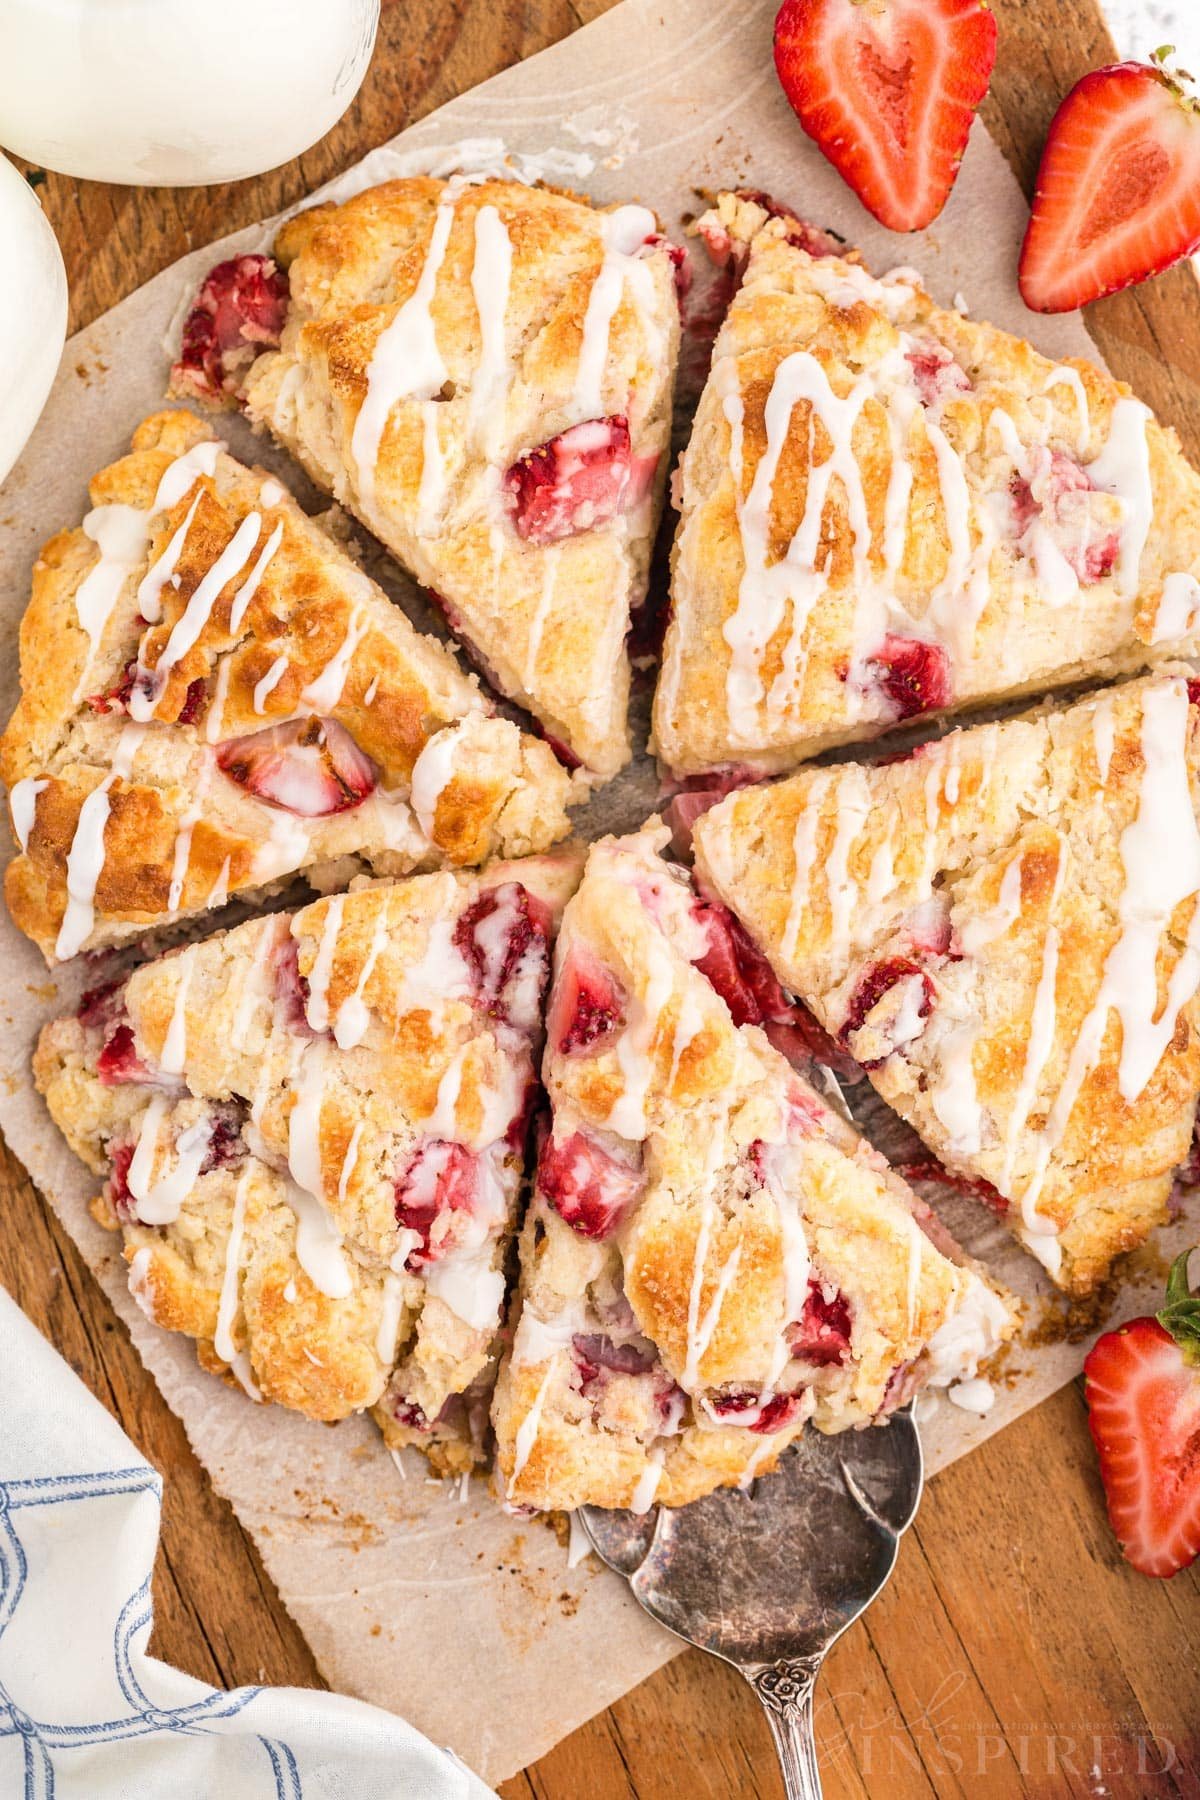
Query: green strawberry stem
(1181,1314)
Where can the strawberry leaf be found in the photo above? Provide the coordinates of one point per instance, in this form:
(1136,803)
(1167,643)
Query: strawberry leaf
(1181,1314)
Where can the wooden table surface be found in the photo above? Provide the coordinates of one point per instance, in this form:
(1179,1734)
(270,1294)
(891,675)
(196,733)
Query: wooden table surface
(1013,1652)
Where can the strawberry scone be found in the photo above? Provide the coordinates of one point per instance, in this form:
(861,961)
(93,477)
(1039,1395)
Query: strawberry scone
(713,1255)
(1003,928)
(888,510)
(215,698)
(482,373)
(311,1130)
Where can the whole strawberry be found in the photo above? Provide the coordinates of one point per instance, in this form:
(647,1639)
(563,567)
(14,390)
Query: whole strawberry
(1117,196)
(888,90)
(1142,1384)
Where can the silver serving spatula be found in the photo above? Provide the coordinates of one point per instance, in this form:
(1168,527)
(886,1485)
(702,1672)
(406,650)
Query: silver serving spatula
(767,1580)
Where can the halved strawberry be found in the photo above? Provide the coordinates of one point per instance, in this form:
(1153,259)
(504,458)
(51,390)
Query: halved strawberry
(1143,1396)
(310,767)
(888,90)
(1118,190)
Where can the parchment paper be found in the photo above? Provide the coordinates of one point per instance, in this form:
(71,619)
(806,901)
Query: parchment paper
(423,1600)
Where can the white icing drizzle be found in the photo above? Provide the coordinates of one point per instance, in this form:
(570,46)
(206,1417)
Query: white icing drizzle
(149,594)
(765,589)
(624,232)
(754,1462)
(316,1009)
(431,490)
(1065,376)
(1123,468)
(391,1309)
(251,991)
(406,362)
(159,1202)
(431,773)
(1039,1044)
(215,722)
(1160,856)
(249,587)
(953,1095)
(804,850)
(527,1430)
(987,926)
(192,621)
(85,859)
(628,1113)
(174,1050)
(973,1332)
(491,278)
(122,534)
(700,1329)
(269,682)
(325,691)
(1103,736)
(1178,614)
(223,1342)
(22,799)
(318,1243)
(353,1015)
(550,559)
(182,853)
(349,1163)
(853,811)
(649,1480)
(271,492)
(218,894)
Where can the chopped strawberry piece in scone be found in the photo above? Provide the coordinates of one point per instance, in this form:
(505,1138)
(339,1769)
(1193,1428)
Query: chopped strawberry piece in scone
(587,1007)
(588,1186)
(116,1188)
(888,92)
(887,1009)
(911,673)
(936,373)
(504,939)
(739,972)
(310,767)
(119,1063)
(582,478)
(291,992)
(1055,495)
(677,256)
(594,1351)
(760,1413)
(440,1179)
(1142,1385)
(193,702)
(102,1006)
(1117,196)
(238,312)
(821,1334)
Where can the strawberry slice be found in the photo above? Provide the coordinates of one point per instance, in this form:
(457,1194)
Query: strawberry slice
(238,313)
(587,1007)
(589,1188)
(1118,189)
(580,479)
(888,92)
(310,767)
(1142,1384)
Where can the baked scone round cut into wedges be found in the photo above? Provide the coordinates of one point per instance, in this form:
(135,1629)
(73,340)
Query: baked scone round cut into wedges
(1004,929)
(312,1132)
(481,372)
(713,1255)
(888,509)
(215,698)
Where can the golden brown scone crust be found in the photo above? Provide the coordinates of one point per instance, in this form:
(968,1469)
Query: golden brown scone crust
(549,622)
(751,1196)
(953,917)
(928,529)
(315,638)
(359,1073)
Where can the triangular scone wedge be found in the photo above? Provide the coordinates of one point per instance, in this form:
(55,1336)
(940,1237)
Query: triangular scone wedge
(712,1255)
(888,509)
(1004,929)
(216,698)
(312,1129)
(482,373)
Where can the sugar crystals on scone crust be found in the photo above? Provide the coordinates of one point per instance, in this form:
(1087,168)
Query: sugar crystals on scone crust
(888,509)
(216,698)
(482,373)
(312,1129)
(1004,929)
(712,1255)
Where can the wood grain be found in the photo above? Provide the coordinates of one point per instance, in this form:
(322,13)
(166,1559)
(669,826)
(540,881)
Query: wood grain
(1013,1653)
